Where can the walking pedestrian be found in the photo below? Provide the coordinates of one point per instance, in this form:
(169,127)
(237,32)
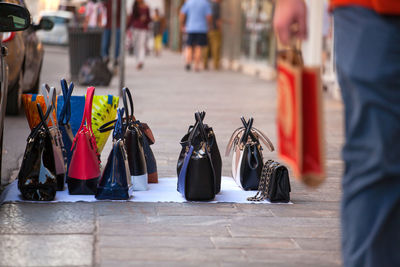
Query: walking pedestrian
(196,18)
(106,38)
(140,20)
(367,37)
(215,35)
(158,29)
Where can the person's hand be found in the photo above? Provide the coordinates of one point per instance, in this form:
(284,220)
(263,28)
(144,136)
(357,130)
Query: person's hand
(290,20)
(183,29)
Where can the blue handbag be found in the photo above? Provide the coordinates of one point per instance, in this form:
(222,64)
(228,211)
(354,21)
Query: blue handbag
(115,183)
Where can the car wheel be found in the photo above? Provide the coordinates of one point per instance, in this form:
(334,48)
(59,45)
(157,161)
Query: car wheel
(14,97)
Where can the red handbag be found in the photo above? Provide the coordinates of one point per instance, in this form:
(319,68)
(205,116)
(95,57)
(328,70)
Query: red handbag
(84,170)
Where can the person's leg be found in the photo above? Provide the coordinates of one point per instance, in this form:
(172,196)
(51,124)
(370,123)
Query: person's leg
(142,37)
(105,43)
(198,52)
(189,50)
(217,49)
(213,44)
(368,66)
(117,45)
(206,52)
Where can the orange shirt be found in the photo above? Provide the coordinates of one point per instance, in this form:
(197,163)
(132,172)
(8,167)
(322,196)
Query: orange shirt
(389,7)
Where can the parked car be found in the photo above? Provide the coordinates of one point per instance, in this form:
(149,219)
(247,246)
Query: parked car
(12,18)
(24,61)
(59,34)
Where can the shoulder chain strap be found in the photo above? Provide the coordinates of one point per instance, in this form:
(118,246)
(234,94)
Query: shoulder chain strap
(263,186)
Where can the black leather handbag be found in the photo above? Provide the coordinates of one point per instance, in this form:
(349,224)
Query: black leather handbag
(115,183)
(212,143)
(196,179)
(274,183)
(247,161)
(134,144)
(36,178)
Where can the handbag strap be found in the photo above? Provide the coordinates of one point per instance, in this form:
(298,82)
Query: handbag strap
(263,186)
(49,95)
(66,109)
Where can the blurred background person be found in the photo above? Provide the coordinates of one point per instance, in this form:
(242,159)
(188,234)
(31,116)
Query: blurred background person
(93,15)
(139,21)
(158,29)
(195,19)
(214,36)
(106,38)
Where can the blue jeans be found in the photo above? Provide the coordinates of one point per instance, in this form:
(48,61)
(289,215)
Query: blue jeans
(105,43)
(367,48)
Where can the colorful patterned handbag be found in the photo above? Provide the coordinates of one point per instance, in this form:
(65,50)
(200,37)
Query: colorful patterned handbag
(104,109)
(84,170)
(29,102)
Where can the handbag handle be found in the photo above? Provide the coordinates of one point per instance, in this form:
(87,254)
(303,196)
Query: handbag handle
(43,119)
(245,126)
(247,132)
(66,109)
(119,127)
(87,113)
(49,95)
(199,122)
(108,126)
(126,92)
(254,132)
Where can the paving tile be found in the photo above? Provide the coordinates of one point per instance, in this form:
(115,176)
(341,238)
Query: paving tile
(254,210)
(46,250)
(294,257)
(328,244)
(202,209)
(129,208)
(255,242)
(265,222)
(291,231)
(30,218)
(140,229)
(172,254)
(114,263)
(154,242)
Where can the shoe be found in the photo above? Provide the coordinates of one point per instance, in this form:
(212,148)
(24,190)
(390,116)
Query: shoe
(188,67)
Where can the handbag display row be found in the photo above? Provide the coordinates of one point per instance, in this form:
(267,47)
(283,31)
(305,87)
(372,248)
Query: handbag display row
(46,166)
(45,158)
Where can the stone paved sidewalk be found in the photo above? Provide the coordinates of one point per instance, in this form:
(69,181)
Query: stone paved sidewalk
(190,234)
